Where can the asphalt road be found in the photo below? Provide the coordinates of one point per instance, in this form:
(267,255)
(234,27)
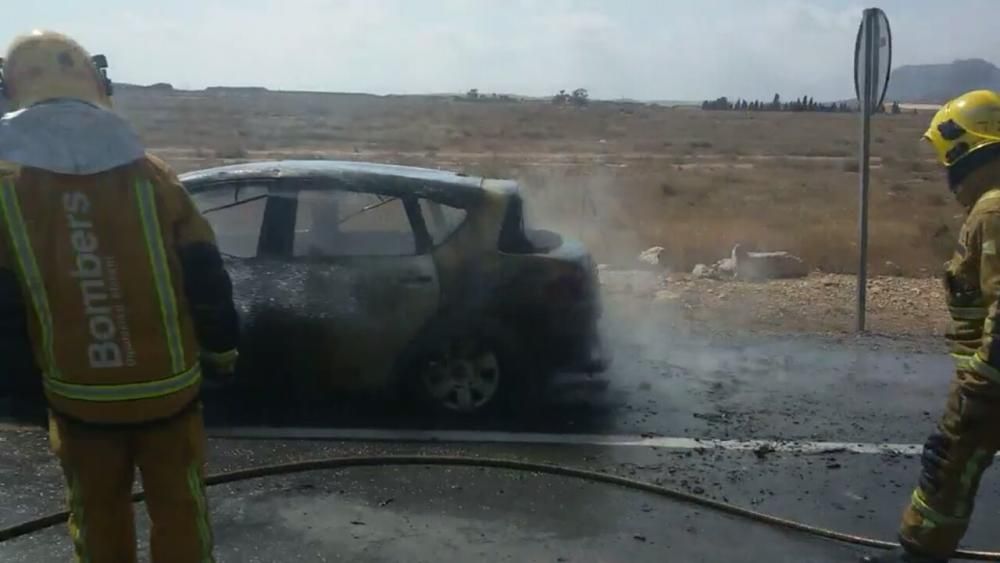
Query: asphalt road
(830,404)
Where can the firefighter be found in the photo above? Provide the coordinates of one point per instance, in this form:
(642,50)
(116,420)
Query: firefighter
(124,298)
(965,134)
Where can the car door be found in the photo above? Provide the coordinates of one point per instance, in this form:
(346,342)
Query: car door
(369,281)
(238,213)
(247,221)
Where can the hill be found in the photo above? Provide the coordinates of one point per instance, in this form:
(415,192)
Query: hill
(940,82)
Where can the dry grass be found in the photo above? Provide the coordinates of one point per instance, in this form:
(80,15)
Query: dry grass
(698,214)
(620,177)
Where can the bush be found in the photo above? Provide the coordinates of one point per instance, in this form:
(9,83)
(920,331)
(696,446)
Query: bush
(851,165)
(667,190)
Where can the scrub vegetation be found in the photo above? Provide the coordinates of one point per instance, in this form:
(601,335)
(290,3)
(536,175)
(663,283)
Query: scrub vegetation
(621,176)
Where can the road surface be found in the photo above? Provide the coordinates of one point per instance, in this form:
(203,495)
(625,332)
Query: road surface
(844,416)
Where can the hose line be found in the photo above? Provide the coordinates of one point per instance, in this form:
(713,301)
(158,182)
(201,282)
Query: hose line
(50,520)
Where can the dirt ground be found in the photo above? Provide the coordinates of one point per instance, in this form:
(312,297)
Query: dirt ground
(820,303)
(623,177)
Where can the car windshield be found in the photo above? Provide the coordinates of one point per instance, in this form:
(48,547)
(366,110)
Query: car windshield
(528,281)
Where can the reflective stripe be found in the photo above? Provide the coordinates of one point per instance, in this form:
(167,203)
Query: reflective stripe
(197,489)
(962,362)
(77,524)
(126,391)
(222,358)
(30,274)
(984,369)
(161,272)
(968,313)
(919,503)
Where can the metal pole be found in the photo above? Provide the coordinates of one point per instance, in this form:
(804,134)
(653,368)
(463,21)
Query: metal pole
(866,103)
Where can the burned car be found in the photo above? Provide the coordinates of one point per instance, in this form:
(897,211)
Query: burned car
(421,283)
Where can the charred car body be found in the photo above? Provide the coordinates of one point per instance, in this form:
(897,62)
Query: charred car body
(354,276)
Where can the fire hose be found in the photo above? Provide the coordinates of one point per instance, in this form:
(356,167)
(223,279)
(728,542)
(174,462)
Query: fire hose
(332,463)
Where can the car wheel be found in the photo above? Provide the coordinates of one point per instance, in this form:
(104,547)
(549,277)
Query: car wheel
(471,373)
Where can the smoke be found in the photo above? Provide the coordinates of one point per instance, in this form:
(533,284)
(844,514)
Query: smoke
(586,202)
(583,202)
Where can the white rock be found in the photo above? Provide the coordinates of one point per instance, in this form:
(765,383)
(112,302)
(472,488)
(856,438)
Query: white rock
(768,265)
(701,271)
(727,265)
(651,256)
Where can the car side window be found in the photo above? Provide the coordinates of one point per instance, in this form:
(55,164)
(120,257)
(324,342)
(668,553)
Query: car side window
(332,223)
(236,213)
(441,220)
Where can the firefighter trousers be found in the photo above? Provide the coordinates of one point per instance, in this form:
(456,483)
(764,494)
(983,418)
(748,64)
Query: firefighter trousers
(955,457)
(99,465)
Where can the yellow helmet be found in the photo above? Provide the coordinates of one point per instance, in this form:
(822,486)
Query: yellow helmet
(965,125)
(45,65)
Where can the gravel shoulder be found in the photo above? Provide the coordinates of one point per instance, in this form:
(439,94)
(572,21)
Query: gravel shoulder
(912,308)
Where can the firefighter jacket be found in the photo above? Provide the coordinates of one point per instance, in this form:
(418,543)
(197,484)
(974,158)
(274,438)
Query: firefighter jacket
(972,280)
(119,286)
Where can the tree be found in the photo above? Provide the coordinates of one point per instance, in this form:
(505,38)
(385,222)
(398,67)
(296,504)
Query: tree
(561,98)
(473,94)
(580,97)
(811,105)
(776,104)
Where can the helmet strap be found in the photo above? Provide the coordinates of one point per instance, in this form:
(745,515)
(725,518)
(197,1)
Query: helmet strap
(101,65)
(964,178)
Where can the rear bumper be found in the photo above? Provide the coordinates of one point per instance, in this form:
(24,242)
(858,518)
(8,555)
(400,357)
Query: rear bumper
(569,342)
(594,360)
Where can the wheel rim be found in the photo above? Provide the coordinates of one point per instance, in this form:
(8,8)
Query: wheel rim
(462,380)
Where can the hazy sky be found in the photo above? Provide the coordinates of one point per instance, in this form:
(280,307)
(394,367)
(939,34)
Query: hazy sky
(649,49)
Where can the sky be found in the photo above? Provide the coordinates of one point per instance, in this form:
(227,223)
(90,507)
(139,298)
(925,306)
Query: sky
(641,49)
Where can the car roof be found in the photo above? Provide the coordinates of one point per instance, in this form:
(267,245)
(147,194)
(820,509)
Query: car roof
(387,179)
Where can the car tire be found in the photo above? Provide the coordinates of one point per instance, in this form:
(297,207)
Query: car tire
(481,371)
